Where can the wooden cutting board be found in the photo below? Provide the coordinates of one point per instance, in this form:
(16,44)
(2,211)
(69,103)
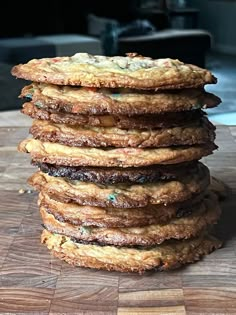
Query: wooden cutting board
(33,282)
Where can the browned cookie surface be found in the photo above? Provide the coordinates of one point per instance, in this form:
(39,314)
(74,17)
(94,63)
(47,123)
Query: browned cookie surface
(206,214)
(199,132)
(116,217)
(144,121)
(115,175)
(82,100)
(123,195)
(131,71)
(59,154)
(169,255)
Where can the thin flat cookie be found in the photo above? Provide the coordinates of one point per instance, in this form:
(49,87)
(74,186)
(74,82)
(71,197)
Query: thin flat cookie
(81,100)
(144,121)
(122,195)
(199,132)
(207,214)
(169,255)
(59,154)
(115,175)
(132,71)
(116,217)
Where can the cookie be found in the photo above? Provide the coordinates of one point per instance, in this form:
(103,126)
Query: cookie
(116,217)
(169,255)
(91,101)
(115,175)
(54,153)
(199,132)
(144,121)
(131,71)
(122,195)
(207,214)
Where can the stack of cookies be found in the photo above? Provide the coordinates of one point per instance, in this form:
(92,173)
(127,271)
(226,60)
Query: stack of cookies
(117,142)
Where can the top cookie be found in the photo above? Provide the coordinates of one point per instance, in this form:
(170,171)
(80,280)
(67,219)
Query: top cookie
(131,71)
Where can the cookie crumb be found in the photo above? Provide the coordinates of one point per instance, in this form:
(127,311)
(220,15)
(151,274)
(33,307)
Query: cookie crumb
(24,191)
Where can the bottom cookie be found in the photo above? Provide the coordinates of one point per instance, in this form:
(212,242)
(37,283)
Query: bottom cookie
(169,255)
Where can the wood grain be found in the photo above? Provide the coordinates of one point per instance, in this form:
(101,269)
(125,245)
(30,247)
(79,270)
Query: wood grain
(34,282)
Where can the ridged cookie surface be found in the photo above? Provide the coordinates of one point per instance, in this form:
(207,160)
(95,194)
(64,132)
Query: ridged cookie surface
(81,100)
(199,132)
(116,217)
(169,255)
(144,121)
(115,175)
(206,214)
(131,71)
(122,195)
(59,154)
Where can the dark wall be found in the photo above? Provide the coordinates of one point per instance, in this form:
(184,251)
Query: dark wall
(23,18)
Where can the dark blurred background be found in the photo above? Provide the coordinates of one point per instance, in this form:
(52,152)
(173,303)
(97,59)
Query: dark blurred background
(21,18)
(195,31)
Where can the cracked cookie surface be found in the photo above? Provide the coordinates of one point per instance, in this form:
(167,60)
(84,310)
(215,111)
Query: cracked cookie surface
(84,100)
(133,71)
(199,132)
(206,215)
(122,195)
(115,175)
(168,255)
(144,121)
(116,217)
(59,154)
